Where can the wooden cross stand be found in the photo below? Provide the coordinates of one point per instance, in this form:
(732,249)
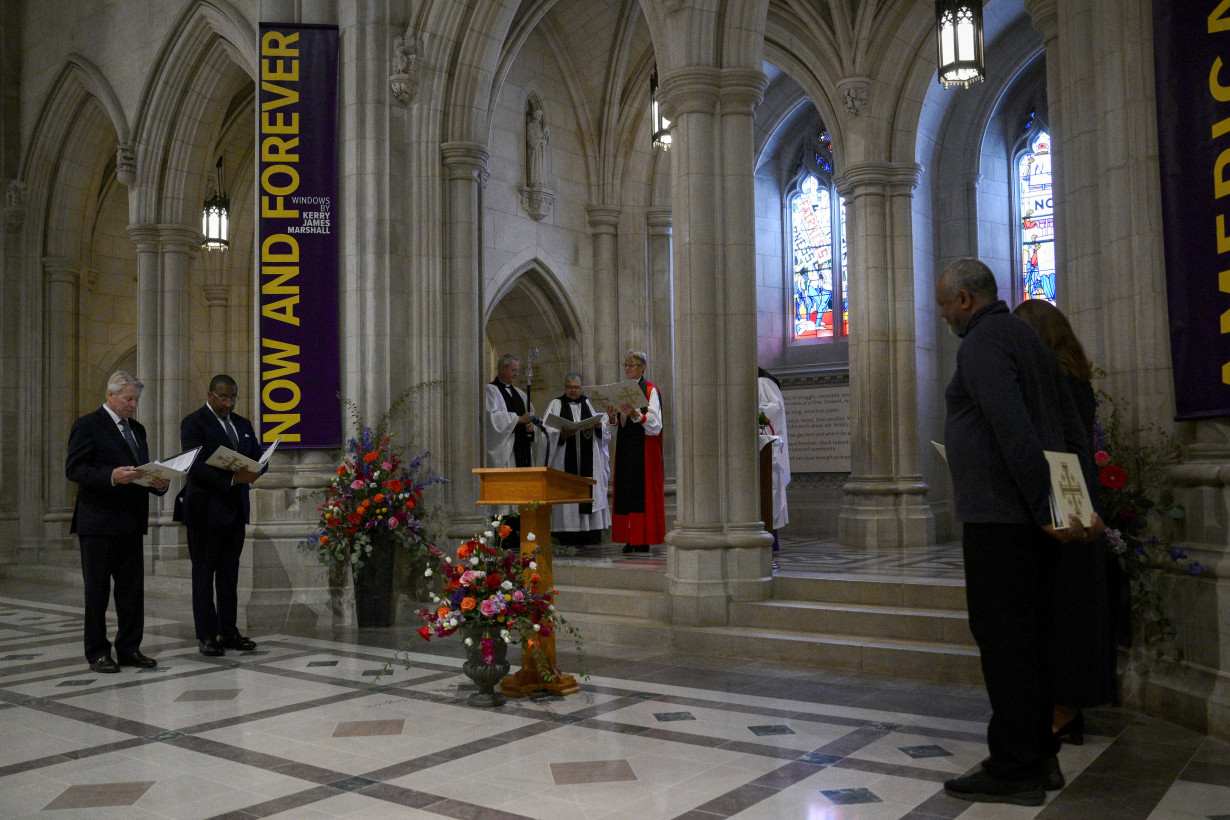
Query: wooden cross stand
(534,490)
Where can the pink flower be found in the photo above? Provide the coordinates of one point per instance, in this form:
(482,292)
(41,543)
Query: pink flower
(518,596)
(388,465)
(1101,457)
(357,484)
(393,523)
(490,607)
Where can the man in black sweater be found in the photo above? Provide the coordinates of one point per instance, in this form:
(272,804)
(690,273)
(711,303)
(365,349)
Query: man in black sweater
(1007,403)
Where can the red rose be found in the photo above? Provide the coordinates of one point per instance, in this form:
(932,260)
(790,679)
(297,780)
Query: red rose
(1113,476)
(493,581)
(425,633)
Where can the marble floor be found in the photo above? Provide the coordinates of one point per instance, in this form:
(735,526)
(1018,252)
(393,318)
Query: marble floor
(307,726)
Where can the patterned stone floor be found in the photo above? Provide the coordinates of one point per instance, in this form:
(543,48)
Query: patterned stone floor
(304,727)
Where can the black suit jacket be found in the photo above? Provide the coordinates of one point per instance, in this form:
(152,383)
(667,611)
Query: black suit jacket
(211,499)
(95,448)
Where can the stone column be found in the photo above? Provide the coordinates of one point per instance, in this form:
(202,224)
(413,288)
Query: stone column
(61,278)
(217,301)
(604,225)
(719,551)
(465,167)
(884,503)
(661,337)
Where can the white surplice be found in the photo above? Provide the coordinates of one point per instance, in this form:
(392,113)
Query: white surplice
(774,408)
(568,517)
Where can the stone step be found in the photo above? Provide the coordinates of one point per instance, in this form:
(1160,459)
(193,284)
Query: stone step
(928,593)
(946,626)
(926,660)
(632,603)
(587,574)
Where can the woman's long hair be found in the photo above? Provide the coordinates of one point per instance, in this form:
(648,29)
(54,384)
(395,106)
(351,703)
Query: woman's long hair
(1056,331)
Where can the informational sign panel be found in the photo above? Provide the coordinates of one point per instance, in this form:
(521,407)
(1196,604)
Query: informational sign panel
(818,428)
(1191,43)
(300,349)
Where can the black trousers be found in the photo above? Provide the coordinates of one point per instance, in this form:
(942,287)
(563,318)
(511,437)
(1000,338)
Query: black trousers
(215,572)
(1009,579)
(104,559)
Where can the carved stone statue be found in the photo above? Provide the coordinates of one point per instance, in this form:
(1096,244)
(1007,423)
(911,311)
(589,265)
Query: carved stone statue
(537,135)
(404,71)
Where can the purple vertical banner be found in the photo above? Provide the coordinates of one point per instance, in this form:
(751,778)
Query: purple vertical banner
(1193,123)
(300,350)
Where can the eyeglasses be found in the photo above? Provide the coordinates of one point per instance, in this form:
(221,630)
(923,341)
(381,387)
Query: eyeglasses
(225,399)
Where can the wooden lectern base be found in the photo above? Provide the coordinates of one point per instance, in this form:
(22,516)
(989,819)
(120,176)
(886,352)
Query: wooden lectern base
(527,681)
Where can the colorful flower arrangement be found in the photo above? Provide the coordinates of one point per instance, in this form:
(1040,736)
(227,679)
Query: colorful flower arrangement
(495,591)
(1142,517)
(374,497)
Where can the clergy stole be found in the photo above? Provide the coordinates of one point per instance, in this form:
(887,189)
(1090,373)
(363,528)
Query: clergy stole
(579,456)
(522,438)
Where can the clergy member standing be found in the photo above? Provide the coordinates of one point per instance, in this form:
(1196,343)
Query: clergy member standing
(508,429)
(581,453)
(773,406)
(638,514)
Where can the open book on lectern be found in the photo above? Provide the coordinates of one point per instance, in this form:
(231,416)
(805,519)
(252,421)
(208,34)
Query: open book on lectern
(228,459)
(170,468)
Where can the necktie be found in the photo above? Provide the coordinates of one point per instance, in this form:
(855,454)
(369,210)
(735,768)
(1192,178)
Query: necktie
(230,433)
(130,438)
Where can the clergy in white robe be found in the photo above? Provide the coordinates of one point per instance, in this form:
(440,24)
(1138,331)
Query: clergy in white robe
(508,429)
(580,453)
(774,409)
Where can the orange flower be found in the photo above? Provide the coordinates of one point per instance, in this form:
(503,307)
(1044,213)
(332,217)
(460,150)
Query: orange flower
(442,612)
(505,530)
(535,578)
(324,539)
(409,503)
(378,497)
(341,469)
(465,550)
(467,604)
(370,457)
(394,485)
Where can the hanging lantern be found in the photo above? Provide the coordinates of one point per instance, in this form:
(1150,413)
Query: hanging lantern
(958,37)
(215,214)
(661,125)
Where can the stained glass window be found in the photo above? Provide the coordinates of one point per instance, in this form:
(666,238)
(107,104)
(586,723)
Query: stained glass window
(1035,202)
(816,228)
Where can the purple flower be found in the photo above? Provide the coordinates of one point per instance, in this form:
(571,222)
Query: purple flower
(1195,568)
(1114,540)
(1177,554)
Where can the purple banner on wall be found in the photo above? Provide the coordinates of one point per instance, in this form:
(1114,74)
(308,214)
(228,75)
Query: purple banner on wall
(300,350)
(1193,116)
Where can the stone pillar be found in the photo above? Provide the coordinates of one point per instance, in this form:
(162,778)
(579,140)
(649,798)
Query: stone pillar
(604,224)
(884,503)
(661,333)
(719,551)
(61,279)
(20,487)
(217,301)
(465,167)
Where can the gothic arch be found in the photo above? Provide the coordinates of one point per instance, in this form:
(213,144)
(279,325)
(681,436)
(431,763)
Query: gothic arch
(208,57)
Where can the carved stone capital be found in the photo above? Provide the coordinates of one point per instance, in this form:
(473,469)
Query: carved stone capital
(125,164)
(603,218)
(465,160)
(742,90)
(660,221)
(689,90)
(537,201)
(217,295)
(854,93)
(883,178)
(60,270)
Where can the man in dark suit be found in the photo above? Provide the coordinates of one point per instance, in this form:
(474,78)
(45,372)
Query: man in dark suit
(110,518)
(215,511)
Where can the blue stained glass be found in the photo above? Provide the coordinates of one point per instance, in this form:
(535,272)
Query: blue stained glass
(1037,219)
(811,223)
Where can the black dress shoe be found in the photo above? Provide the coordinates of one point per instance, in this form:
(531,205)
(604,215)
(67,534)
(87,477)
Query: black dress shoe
(980,787)
(210,649)
(104,664)
(138,660)
(236,642)
(628,549)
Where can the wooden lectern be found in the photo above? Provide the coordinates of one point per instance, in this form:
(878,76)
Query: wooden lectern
(534,490)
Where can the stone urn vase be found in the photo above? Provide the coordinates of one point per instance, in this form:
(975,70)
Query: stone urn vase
(486,676)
